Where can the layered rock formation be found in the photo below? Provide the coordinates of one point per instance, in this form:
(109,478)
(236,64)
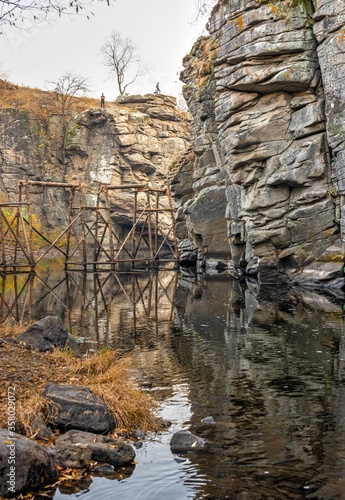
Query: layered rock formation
(265,186)
(134,141)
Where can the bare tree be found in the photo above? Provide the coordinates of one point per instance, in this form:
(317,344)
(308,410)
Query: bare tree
(120,56)
(3,74)
(34,11)
(4,85)
(66,90)
(204,8)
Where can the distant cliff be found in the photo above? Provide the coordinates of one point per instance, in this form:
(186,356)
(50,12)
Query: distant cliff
(136,139)
(263,189)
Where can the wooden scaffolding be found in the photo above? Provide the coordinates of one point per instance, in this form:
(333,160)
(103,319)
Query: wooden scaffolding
(96,236)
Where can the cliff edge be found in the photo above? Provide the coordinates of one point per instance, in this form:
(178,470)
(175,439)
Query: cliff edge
(263,190)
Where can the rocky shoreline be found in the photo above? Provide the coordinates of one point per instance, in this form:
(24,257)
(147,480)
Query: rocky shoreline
(76,430)
(75,435)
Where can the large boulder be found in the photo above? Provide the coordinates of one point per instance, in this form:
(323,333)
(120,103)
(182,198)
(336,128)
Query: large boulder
(75,407)
(48,333)
(24,465)
(104,449)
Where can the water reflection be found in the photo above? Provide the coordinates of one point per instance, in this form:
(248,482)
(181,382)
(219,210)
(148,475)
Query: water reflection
(267,363)
(96,307)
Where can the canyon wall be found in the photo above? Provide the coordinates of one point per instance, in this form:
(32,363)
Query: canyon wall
(135,140)
(262,192)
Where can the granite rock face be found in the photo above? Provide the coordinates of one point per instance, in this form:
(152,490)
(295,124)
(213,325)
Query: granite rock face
(266,92)
(134,140)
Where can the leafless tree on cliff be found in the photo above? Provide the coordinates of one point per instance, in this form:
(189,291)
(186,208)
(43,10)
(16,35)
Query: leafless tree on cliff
(4,85)
(3,74)
(65,91)
(120,56)
(204,8)
(13,12)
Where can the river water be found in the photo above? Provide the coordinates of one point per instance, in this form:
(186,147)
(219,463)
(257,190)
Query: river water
(267,363)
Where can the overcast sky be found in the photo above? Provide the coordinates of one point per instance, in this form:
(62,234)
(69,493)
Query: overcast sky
(162,31)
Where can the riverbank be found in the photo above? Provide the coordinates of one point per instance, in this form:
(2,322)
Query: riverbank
(25,373)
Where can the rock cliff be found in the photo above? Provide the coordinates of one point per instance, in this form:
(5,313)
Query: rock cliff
(137,140)
(263,189)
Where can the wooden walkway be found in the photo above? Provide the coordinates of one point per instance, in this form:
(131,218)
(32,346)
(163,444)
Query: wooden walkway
(93,237)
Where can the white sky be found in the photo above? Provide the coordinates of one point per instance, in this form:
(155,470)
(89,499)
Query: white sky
(161,30)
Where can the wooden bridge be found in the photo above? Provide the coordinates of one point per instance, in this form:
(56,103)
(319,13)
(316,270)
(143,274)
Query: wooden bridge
(94,236)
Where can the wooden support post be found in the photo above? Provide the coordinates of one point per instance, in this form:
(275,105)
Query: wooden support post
(149,224)
(30,238)
(156,225)
(70,218)
(16,236)
(110,228)
(134,225)
(95,243)
(173,226)
(83,232)
(2,235)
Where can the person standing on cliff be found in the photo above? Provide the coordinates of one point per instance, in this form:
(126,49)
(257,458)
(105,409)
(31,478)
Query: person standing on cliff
(158,90)
(102,101)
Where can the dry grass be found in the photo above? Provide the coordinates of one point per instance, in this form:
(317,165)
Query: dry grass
(28,409)
(39,102)
(106,373)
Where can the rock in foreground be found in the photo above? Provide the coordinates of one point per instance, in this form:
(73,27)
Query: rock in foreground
(74,407)
(24,465)
(104,449)
(47,334)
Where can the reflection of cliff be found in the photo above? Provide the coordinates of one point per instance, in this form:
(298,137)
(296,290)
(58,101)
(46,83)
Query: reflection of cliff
(269,368)
(266,363)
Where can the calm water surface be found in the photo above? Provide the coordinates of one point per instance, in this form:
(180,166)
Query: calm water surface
(267,363)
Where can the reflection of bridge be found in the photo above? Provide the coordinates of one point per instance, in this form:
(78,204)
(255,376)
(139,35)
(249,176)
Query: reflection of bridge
(100,302)
(95,236)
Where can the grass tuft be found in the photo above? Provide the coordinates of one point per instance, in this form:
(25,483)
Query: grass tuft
(106,373)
